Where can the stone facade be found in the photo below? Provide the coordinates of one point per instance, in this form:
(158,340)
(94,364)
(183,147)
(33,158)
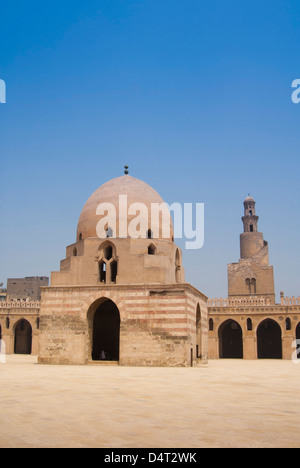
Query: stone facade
(159,325)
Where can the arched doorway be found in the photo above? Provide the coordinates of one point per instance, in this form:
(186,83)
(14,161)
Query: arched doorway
(269,344)
(230,340)
(298,340)
(106,332)
(23,337)
(198,332)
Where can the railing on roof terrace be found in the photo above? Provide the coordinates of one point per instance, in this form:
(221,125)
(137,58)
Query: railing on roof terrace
(236,302)
(290,300)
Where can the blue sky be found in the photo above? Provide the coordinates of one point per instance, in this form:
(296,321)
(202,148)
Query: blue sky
(194,95)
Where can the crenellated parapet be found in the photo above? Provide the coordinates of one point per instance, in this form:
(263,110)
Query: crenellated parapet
(236,302)
(19,305)
(289,301)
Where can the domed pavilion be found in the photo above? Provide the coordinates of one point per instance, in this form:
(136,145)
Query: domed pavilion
(120,295)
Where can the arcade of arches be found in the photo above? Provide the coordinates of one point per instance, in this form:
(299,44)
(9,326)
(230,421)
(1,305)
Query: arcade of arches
(247,338)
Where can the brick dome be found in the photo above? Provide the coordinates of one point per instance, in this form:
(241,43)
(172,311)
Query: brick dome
(136,190)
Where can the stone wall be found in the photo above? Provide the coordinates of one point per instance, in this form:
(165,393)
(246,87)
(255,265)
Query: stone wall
(286,314)
(158,324)
(26,288)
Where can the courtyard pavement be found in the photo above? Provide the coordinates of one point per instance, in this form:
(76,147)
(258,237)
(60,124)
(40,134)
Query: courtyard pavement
(230,403)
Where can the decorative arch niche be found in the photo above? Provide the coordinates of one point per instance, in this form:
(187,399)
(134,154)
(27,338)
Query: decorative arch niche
(108,263)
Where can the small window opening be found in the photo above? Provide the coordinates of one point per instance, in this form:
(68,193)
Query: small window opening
(288,325)
(151,250)
(249,324)
(114,271)
(251,227)
(177,267)
(102,272)
(149,234)
(108,252)
(253,286)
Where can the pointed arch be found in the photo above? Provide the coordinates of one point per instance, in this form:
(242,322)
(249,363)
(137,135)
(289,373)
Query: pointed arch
(269,340)
(23,337)
(107,250)
(104,330)
(230,340)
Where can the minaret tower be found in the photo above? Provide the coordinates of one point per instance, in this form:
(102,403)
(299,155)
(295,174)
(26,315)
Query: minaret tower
(251,241)
(252,276)
(250,219)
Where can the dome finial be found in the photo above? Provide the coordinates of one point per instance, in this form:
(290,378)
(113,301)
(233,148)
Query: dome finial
(126,170)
